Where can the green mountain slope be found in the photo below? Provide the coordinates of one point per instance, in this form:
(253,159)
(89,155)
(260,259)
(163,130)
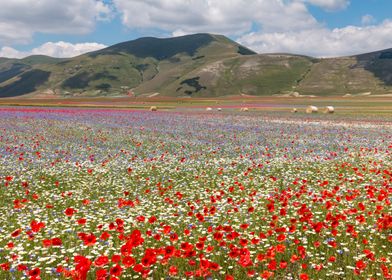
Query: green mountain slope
(200,65)
(366,73)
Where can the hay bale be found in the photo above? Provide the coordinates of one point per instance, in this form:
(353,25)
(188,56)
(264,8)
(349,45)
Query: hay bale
(244,109)
(329,110)
(153,108)
(219,109)
(208,109)
(311,109)
(295,94)
(294,110)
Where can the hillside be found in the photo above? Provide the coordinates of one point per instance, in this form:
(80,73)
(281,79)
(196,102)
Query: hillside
(365,73)
(200,65)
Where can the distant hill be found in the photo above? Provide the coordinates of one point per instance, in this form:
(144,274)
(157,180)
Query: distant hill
(199,65)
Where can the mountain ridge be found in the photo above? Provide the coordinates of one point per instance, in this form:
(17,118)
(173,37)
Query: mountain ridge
(198,65)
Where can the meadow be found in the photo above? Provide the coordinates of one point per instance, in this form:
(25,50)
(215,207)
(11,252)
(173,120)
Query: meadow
(131,194)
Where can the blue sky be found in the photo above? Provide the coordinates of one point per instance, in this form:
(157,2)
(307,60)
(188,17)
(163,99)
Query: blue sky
(312,27)
(352,15)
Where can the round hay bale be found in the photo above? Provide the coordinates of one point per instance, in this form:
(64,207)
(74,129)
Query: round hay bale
(329,110)
(294,110)
(219,109)
(153,108)
(295,94)
(208,109)
(311,109)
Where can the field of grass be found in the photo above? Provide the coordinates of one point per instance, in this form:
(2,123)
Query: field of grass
(182,193)
(364,105)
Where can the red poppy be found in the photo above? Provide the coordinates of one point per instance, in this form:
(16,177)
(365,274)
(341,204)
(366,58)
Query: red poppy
(35,272)
(173,270)
(56,241)
(272,265)
(280,248)
(105,235)
(283,265)
(152,219)
(303,276)
(361,265)
(70,211)
(36,226)
(281,237)
(266,274)
(116,270)
(22,267)
(140,218)
(5,266)
(47,242)
(214,266)
(89,239)
(128,261)
(243,242)
(173,237)
(138,268)
(218,236)
(101,274)
(116,258)
(101,261)
(16,233)
(318,227)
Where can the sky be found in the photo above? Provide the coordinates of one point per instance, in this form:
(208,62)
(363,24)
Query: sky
(320,28)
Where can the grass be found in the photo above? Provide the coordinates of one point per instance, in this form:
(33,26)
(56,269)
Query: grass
(366,105)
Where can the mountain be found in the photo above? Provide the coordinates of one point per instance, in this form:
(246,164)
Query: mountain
(365,73)
(199,65)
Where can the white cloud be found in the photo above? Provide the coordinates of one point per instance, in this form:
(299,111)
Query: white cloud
(232,17)
(11,53)
(58,49)
(367,19)
(330,5)
(322,41)
(20,19)
(263,25)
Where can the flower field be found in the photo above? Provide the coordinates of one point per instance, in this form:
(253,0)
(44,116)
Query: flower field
(117,194)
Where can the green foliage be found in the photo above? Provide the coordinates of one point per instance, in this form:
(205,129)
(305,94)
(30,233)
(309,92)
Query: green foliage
(194,83)
(13,71)
(104,87)
(104,75)
(28,82)
(78,81)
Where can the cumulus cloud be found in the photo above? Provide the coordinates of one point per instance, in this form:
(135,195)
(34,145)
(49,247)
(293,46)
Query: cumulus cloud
(330,5)
(20,19)
(232,17)
(263,25)
(11,53)
(58,49)
(322,41)
(367,19)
